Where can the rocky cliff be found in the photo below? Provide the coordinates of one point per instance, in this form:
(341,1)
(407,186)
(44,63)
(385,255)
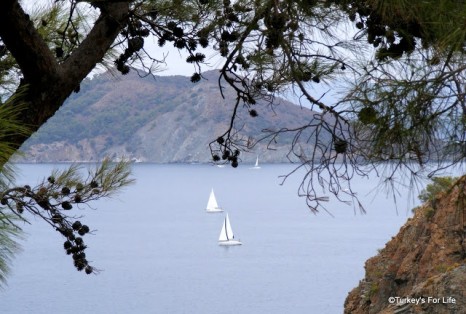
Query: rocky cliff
(422,269)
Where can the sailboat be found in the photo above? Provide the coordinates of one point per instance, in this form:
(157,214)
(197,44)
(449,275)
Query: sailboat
(226,235)
(256,166)
(212,206)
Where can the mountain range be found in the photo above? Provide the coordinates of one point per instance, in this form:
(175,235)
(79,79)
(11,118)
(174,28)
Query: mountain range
(160,119)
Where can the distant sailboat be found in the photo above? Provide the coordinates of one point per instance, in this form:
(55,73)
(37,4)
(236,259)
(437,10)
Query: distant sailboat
(256,166)
(212,206)
(226,235)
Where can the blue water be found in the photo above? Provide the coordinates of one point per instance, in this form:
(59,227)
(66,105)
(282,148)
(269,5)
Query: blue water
(158,248)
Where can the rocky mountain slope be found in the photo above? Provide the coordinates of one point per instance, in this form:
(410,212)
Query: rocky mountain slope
(422,269)
(156,119)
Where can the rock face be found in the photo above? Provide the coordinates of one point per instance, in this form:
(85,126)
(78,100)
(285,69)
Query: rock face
(423,264)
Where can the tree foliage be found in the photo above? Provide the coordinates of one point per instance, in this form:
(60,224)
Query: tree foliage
(399,66)
(437,185)
(54,199)
(9,233)
(9,246)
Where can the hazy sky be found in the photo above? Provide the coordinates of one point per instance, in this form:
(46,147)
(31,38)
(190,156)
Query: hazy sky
(176,60)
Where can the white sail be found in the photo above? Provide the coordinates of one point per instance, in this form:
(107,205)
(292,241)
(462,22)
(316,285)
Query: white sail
(226,234)
(212,205)
(223,233)
(228,229)
(256,165)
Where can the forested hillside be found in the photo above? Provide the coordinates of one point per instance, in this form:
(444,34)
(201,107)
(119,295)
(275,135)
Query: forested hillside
(156,119)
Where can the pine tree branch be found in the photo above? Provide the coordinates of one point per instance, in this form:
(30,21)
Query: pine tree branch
(24,42)
(49,83)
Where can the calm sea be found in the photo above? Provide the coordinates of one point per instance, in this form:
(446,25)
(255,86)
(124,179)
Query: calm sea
(158,248)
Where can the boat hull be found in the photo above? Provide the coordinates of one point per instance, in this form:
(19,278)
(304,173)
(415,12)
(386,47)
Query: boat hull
(214,210)
(229,243)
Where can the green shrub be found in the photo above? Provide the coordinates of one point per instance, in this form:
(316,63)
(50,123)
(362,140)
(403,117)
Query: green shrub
(439,184)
